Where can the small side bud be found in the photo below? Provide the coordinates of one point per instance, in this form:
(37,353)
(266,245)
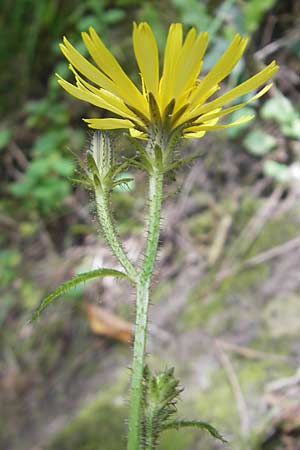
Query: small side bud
(100,157)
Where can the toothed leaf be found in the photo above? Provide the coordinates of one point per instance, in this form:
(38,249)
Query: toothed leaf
(82,277)
(177,424)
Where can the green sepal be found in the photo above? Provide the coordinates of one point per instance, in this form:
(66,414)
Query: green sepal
(82,179)
(179,113)
(78,160)
(154,111)
(121,167)
(135,143)
(172,142)
(158,157)
(113,171)
(144,162)
(97,182)
(93,168)
(177,424)
(82,277)
(180,163)
(138,113)
(143,165)
(167,115)
(140,149)
(81,182)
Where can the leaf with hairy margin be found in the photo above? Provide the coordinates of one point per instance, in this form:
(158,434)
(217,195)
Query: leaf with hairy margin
(177,424)
(81,278)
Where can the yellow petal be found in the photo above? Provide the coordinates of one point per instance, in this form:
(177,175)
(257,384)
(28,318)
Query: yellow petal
(221,69)
(146,53)
(115,102)
(87,96)
(206,127)
(242,89)
(110,66)
(137,134)
(85,67)
(192,113)
(223,112)
(171,55)
(108,124)
(189,63)
(195,135)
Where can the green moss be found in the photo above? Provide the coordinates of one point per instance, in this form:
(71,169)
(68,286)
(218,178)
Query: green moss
(201,224)
(275,232)
(280,345)
(199,314)
(204,306)
(243,282)
(245,211)
(162,290)
(99,426)
(216,406)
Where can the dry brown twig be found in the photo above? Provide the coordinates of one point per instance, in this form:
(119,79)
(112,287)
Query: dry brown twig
(236,388)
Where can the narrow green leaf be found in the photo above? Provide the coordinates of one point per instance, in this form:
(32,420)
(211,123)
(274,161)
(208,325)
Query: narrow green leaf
(177,424)
(81,278)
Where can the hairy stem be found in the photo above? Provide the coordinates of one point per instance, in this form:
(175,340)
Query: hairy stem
(142,306)
(105,219)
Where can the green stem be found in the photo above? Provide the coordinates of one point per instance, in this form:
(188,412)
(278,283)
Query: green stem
(142,306)
(105,219)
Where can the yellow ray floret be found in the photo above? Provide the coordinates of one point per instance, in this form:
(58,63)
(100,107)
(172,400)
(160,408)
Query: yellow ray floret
(175,99)
(146,53)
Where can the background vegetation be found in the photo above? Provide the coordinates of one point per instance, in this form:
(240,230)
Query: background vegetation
(226,309)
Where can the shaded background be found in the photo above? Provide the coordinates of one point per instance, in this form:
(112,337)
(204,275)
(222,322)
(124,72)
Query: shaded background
(227,287)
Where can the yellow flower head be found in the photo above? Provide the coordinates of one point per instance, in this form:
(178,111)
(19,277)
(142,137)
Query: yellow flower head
(175,99)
